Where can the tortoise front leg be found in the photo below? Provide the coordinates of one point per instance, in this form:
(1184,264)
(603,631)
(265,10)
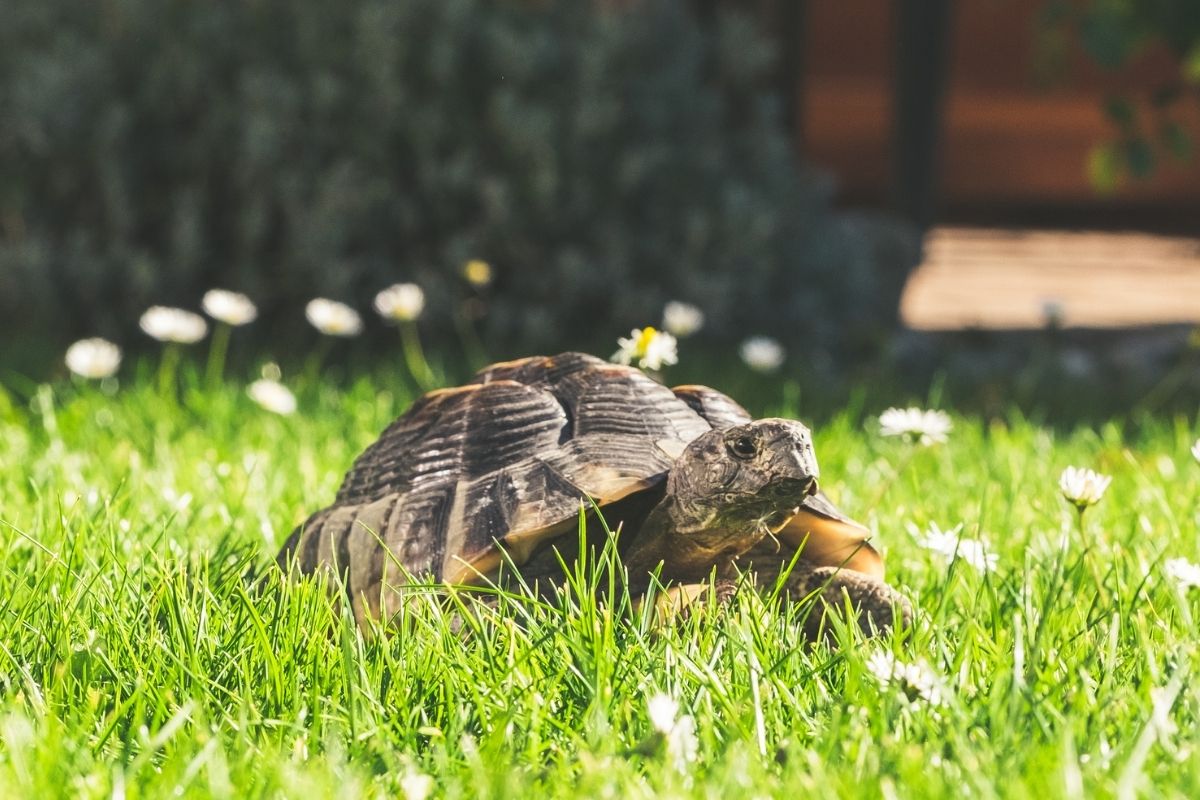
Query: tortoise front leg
(678,600)
(823,590)
(829,590)
(876,605)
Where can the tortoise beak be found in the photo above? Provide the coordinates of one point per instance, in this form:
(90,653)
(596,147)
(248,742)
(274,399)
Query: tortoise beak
(829,538)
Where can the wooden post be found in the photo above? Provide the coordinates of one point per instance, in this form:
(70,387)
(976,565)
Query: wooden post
(922,45)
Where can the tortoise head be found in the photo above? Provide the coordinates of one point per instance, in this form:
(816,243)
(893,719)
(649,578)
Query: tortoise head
(748,479)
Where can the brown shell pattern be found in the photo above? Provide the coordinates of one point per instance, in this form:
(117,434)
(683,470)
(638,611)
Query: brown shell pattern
(505,458)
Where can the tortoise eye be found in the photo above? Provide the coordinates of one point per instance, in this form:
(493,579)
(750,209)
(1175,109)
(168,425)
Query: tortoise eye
(743,447)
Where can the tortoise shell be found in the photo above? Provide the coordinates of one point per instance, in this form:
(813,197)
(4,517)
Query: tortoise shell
(498,468)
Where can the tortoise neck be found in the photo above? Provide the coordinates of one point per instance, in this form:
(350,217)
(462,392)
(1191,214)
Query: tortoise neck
(660,542)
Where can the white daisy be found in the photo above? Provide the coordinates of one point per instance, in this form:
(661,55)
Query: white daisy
(679,733)
(762,353)
(1083,487)
(682,744)
(175,500)
(232,308)
(1161,700)
(93,358)
(333,318)
(1183,572)
(682,319)
(402,302)
(662,709)
(916,424)
(416,785)
(173,325)
(948,543)
(1196,450)
(477,272)
(650,347)
(917,681)
(273,396)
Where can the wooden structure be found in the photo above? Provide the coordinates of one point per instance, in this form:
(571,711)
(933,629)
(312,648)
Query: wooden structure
(933,108)
(996,145)
(995,278)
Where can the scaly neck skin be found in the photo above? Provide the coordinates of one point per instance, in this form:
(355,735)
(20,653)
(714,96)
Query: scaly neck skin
(660,541)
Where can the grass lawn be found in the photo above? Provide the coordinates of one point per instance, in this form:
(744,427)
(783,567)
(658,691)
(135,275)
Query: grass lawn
(137,661)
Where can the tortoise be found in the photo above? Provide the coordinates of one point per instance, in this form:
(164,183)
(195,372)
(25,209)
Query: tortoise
(474,480)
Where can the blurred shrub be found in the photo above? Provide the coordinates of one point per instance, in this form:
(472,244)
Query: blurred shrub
(603,160)
(1113,34)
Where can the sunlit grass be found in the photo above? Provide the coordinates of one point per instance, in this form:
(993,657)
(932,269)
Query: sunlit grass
(138,658)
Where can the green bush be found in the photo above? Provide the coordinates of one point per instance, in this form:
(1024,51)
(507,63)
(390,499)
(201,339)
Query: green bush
(1147,131)
(603,160)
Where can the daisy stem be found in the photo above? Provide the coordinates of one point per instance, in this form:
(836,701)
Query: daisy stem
(414,356)
(217,350)
(1091,565)
(883,490)
(167,369)
(312,367)
(472,344)
(1087,548)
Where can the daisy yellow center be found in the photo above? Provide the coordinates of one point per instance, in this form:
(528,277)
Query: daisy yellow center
(644,340)
(478,272)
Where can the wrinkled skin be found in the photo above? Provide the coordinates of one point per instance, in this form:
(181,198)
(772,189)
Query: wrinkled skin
(729,492)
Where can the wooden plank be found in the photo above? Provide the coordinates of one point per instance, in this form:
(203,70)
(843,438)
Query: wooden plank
(1018,279)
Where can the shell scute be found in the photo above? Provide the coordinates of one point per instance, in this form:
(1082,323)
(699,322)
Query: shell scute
(505,459)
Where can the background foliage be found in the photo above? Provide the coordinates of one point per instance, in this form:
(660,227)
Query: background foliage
(603,160)
(1113,33)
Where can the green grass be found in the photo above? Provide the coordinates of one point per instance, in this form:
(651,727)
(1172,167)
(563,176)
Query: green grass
(137,661)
